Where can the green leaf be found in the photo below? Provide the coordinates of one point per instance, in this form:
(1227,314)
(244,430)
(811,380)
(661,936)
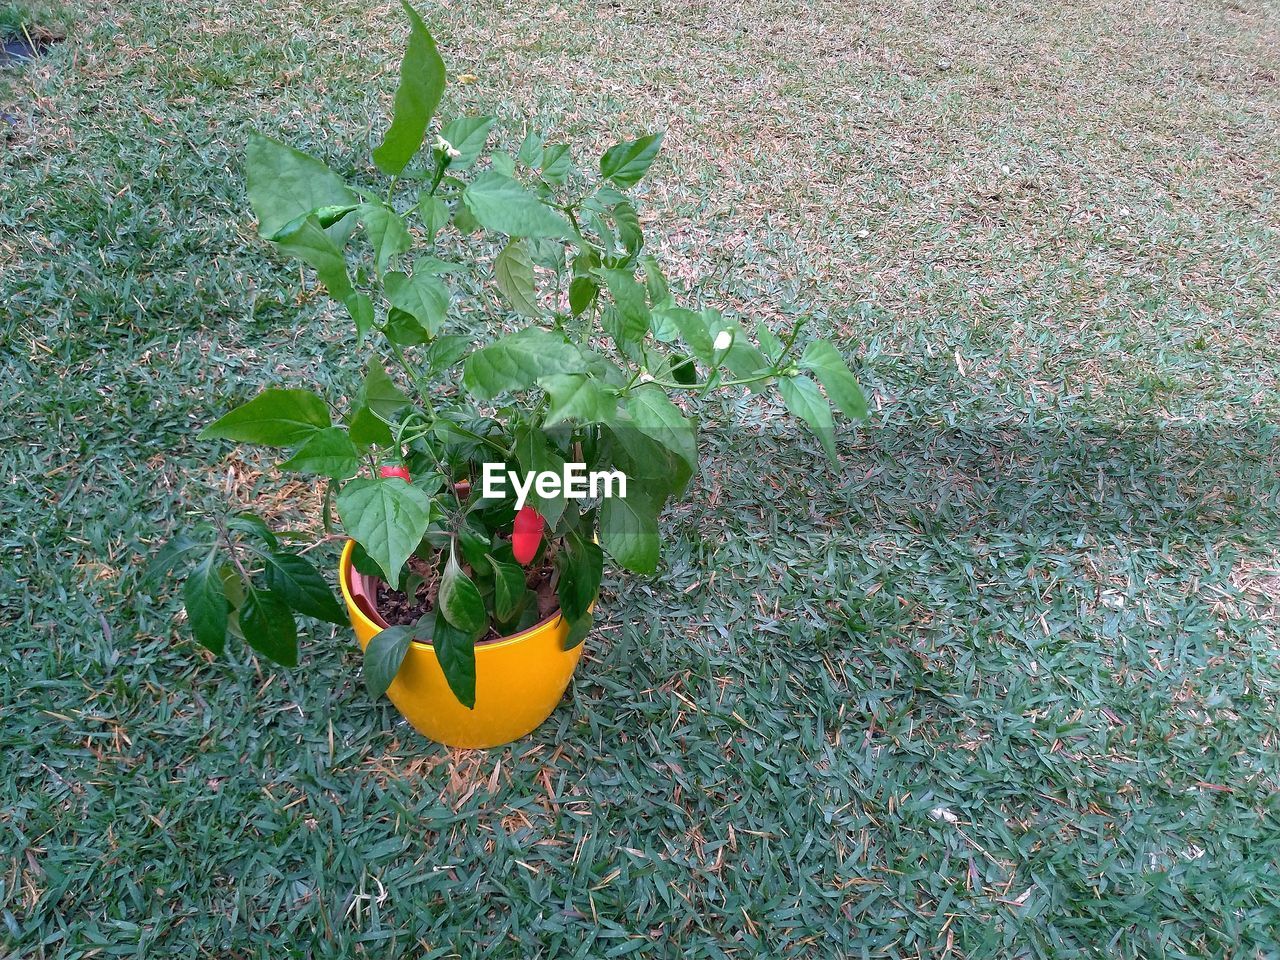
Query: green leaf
(659,419)
(556,163)
(825,361)
(628,225)
(445,352)
(502,163)
(364,564)
(516,361)
(404,329)
(508,588)
(513,271)
(423,296)
(366,430)
(387,232)
(605,196)
(535,454)
(805,400)
(269,627)
(585,261)
(459,599)
(574,396)
(387,517)
(205,598)
(255,526)
(383,655)
(578,630)
(301,586)
(530,153)
(234,585)
(662,322)
(546,252)
(627,163)
(654,282)
(275,417)
(770,345)
(519,621)
(434,213)
(455,650)
(668,321)
(360,308)
(421,84)
(379,392)
(528,614)
(313,246)
(467,135)
(628,295)
(284,184)
(501,204)
(608,243)
(582,293)
(581,564)
(169,557)
(629,529)
(434,266)
(651,468)
(327,453)
(465,220)
(475,545)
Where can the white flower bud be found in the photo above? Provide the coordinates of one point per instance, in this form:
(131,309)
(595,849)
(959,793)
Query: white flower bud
(447,148)
(724,339)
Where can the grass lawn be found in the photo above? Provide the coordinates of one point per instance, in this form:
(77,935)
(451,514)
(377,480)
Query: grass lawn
(1004,685)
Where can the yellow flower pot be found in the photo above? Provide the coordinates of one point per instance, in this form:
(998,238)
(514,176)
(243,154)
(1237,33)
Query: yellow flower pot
(519,680)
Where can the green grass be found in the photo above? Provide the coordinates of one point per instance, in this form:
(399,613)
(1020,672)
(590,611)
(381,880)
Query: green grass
(1005,685)
(37,20)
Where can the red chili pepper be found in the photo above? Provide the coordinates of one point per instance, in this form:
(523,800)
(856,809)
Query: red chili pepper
(526,534)
(400,471)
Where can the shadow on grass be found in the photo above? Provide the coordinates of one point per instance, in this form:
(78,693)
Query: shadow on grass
(1214,482)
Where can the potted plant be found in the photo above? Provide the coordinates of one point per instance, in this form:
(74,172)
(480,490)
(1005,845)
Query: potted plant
(523,434)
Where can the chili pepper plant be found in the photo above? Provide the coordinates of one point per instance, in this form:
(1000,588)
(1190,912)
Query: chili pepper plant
(510,313)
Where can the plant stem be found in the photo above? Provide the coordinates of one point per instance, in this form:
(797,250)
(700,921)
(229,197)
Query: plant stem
(475,436)
(448,480)
(415,378)
(402,428)
(231,552)
(673,385)
(442,164)
(420,384)
(573,220)
(795,332)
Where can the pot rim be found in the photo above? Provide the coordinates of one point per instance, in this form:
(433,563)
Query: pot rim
(344,573)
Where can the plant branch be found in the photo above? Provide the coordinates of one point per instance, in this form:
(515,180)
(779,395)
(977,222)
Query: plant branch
(477,437)
(795,332)
(674,385)
(231,552)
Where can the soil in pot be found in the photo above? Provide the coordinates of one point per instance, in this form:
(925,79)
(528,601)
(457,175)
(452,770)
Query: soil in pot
(397,607)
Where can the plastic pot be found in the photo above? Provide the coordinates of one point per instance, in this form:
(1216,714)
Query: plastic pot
(519,679)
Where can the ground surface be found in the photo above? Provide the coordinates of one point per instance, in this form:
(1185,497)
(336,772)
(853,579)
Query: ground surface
(1007,685)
